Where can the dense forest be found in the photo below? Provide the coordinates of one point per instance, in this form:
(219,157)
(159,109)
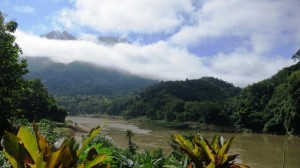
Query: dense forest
(272,105)
(21,98)
(269,106)
(189,100)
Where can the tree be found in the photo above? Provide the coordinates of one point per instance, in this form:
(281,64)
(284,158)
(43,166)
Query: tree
(11,71)
(131,145)
(37,104)
(296,56)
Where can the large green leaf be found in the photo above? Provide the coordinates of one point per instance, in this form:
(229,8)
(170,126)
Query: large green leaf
(12,161)
(11,144)
(55,158)
(94,132)
(67,157)
(211,165)
(204,145)
(42,142)
(29,142)
(228,158)
(94,162)
(224,149)
(39,162)
(214,143)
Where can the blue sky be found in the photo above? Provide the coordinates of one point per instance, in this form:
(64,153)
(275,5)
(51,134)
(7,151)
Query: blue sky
(235,40)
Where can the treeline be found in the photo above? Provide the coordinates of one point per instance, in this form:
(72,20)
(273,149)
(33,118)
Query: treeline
(272,105)
(201,100)
(20,98)
(269,106)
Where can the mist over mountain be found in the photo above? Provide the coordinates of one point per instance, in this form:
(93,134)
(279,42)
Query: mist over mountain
(109,40)
(80,78)
(103,40)
(58,35)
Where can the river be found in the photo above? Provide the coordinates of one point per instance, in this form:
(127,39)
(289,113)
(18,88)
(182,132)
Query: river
(256,150)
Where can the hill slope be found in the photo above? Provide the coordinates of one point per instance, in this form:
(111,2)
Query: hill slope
(79,78)
(191,100)
(272,105)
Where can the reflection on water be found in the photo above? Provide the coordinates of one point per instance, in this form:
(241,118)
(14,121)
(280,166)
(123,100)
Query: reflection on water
(256,150)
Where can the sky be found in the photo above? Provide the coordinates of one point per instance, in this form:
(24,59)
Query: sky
(239,41)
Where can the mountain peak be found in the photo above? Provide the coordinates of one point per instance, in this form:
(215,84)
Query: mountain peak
(58,35)
(110,40)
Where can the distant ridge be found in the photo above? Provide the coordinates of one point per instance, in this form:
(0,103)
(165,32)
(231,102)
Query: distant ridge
(109,40)
(81,78)
(58,35)
(104,40)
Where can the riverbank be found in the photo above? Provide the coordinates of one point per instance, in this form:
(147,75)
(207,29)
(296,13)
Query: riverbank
(144,122)
(254,148)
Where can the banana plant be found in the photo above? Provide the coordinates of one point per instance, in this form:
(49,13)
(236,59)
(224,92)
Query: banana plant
(205,155)
(26,150)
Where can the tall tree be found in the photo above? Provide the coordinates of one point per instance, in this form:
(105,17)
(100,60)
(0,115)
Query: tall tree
(11,71)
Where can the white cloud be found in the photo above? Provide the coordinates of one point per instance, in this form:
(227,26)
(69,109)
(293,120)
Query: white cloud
(124,16)
(262,22)
(243,67)
(158,60)
(23,8)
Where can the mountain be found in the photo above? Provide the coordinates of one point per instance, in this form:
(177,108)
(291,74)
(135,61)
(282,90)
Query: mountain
(80,78)
(104,40)
(58,35)
(271,105)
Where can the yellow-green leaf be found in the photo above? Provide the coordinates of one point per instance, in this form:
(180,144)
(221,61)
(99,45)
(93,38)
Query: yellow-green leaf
(42,142)
(29,142)
(67,157)
(11,160)
(214,143)
(80,166)
(55,157)
(211,165)
(225,148)
(94,162)
(39,162)
(204,145)
(95,131)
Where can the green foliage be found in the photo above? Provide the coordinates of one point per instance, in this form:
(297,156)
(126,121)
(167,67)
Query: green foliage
(27,150)
(203,154)
(11,72)
(199,100)
(33,150)
(20,98)
(132,147)
(80,104)
(270,106)
(37,104)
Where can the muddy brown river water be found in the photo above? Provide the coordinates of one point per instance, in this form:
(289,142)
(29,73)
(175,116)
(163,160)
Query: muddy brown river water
(256,150)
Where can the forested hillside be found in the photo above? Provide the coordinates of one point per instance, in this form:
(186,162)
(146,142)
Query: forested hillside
(79,78)
(272,105)
(269,106)
(199,100)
